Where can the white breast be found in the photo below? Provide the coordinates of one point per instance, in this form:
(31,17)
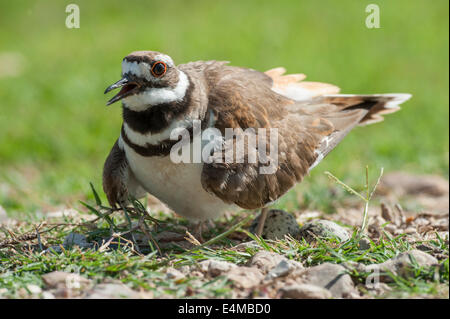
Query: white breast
(177,185)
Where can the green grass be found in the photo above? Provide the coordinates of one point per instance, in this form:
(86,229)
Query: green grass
(56,131)
(23,262)
(147,272)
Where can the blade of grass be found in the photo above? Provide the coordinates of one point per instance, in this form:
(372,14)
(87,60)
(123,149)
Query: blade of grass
(99,214)
(226,233)
(97,198)
(345,186)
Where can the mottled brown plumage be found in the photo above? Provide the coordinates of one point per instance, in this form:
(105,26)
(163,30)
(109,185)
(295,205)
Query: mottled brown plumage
(311,119)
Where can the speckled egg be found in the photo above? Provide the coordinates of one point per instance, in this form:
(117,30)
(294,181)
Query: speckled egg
(323,229)
(278,224)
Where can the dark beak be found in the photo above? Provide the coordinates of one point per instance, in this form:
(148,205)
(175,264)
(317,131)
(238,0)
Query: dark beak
(128,87)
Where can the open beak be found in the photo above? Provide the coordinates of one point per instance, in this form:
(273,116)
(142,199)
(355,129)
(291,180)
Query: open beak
(127,88)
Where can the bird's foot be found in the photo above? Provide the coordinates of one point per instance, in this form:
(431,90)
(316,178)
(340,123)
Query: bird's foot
(201,227)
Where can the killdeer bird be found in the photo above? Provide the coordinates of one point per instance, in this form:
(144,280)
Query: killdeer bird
(310,119)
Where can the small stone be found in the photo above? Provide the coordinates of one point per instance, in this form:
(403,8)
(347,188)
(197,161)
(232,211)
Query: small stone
(22,292)
(47,295)
(399,214)
(277,225)
(60,279)
(245,277)
(364,244)
(410,230)
(247,245)
(53,249)
(303,291)
(185,269)
(215,267)
(74,239)
(34,289)
(402,265)
(112,291)
(282,269)
(196,274)
(218,267)
(395,216)
(387,213)
(423,259)
(323,229)
(265,260)
(175,274)
(204,265)
(391,228)
(329,276)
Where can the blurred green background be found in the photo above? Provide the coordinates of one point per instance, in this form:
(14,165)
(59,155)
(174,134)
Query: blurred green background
(55,130)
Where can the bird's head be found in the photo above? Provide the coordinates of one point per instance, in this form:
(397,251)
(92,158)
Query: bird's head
(148,78)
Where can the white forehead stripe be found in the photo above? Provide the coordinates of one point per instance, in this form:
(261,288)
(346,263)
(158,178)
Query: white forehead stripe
(155,96)
(165,58)
(140,69)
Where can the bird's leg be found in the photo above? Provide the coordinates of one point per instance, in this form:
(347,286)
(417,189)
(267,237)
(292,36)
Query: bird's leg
(262,220)
(197,231)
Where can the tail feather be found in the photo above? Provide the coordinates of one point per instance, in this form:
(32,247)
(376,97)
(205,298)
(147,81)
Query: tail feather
(345,111)
(293,86)
(376,104)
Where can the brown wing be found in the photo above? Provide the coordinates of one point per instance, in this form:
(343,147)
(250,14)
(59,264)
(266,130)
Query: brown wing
(307,131)
(244,183)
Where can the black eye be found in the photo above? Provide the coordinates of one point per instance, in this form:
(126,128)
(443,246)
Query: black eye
(158,69)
